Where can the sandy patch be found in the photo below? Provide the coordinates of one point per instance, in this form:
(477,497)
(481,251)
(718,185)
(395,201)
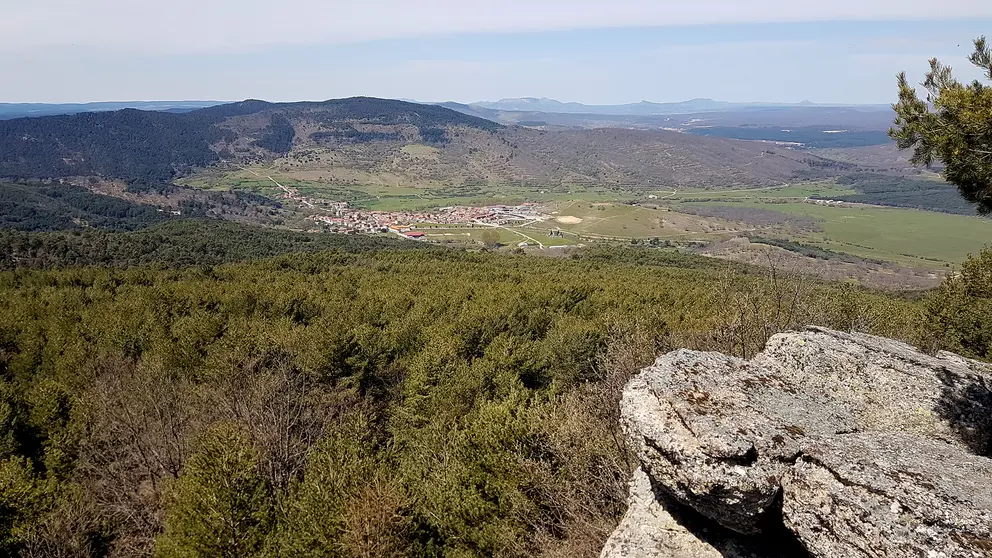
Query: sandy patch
(568,220)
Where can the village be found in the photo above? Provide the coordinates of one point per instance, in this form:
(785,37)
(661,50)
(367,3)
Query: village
(340,217)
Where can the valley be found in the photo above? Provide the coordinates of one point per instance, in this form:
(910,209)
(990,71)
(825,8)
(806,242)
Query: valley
(371,311)
(813,213)
(714,184)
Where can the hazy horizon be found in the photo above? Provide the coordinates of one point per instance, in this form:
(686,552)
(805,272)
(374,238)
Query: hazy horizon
(438,101)
(587,51)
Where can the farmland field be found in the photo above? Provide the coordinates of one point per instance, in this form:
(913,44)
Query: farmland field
(909,236)
(382,194)
(923,239)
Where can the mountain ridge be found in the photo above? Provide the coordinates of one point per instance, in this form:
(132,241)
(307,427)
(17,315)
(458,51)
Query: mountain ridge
(374,138)
(648,108)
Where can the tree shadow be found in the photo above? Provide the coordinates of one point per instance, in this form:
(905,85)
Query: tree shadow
(774,540)
(966,404)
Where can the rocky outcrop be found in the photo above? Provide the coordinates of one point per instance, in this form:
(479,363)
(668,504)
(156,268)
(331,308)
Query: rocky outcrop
(655,526)
(889,494)
(850,445)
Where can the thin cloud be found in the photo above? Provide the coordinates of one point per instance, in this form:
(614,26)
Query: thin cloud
(224,26)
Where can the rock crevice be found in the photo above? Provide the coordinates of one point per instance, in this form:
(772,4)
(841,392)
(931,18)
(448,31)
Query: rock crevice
(850,444)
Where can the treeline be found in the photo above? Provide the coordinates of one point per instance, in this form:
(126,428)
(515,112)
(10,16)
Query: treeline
(811,251)
(53,206)
(350,134)
(752,216)
(390,112)
(897,191)
(180,243)
(49,207)
(431,403)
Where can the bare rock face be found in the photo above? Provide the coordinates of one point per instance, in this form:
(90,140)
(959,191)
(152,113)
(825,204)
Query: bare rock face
(718,432)
(825,433)
(650,531)
(890,494)
(656,527)
(888,385)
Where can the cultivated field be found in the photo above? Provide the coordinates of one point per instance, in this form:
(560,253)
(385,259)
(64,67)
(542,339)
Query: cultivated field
(583,214)
(909,236)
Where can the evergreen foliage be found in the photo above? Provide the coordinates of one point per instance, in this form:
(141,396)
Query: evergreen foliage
(278,136)
(49,207)
(388,403)
(958,314)
(895,191)
(155,147)
(176,243)
(953,125)
(220,506)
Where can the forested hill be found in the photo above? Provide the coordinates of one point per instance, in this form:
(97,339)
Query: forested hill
(179,243)
(133,144)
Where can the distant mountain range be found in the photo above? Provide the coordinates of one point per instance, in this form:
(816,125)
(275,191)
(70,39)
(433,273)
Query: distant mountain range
(646,108)
(774,118)
(484,109)
(20,110)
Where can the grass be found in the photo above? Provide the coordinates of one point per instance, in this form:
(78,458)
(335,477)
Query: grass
(508,236)
(455,233)
(909,236)
(384,194)
(624,221)
(778,193)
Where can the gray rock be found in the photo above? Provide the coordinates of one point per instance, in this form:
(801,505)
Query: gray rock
(718,433)
(889,494)
(656,527)
(888,385)
(649,531)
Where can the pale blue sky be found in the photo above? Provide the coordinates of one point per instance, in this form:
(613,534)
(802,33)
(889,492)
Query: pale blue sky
(589,51)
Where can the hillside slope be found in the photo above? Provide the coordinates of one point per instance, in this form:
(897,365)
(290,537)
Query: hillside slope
(373,136)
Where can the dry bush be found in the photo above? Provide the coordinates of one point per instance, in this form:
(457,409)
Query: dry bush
(71,530)
(141,422)
(281,408)
(754,310)
(373,523)
(588,490)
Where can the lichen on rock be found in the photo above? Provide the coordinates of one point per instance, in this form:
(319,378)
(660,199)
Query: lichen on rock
(844,439)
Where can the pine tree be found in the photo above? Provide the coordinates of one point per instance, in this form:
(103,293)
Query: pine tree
(220,506)
(952,125)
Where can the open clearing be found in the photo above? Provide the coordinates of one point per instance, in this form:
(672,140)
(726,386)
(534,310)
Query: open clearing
(909,236)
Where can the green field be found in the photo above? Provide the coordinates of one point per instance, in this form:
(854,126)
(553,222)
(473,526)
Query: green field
(799,191)
(508,236)
(909,236)
(387,197)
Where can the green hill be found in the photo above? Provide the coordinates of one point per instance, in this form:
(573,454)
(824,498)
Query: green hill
(368,135)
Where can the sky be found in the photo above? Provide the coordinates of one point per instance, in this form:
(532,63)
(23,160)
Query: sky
(590,51)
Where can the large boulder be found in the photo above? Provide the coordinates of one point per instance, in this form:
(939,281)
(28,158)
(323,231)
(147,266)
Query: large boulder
(889,494)
(888,385)
(824,432)
(649,530)
(656,527)
(718,432)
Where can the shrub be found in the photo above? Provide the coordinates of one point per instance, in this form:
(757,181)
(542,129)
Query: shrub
(957,316)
